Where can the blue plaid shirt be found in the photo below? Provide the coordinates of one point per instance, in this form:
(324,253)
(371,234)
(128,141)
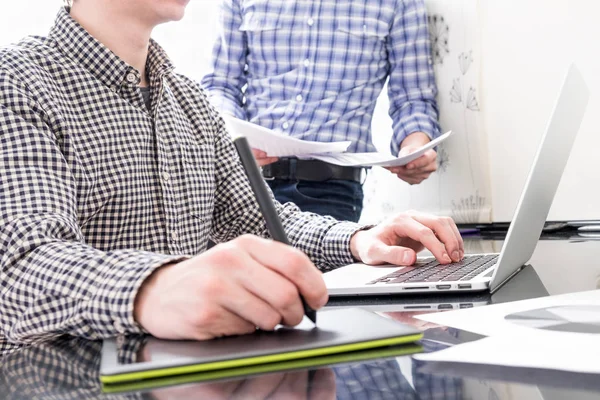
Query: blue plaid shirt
(314,69)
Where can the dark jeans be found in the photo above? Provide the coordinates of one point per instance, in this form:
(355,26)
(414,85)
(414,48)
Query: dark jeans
(343,200)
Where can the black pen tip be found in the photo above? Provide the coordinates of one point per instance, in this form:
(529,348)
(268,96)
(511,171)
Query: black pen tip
(312,315)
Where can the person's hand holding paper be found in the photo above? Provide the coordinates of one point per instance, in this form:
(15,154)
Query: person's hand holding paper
(262,158)
(420,169)
(417,153)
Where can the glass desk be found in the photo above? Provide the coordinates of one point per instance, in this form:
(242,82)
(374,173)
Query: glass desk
(68,368)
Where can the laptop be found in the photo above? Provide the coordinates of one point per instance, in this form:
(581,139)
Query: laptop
(527,285)
(479,272)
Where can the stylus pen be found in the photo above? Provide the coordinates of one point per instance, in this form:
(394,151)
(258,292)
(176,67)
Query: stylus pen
(267,208)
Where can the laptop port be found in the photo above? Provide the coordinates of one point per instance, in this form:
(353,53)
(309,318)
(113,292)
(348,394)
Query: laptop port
(466,305)
(445,307)
(417,288)
(464,286)
(443,287)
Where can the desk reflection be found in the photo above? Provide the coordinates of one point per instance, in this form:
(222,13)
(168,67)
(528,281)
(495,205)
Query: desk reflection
(301,385)
(69,369)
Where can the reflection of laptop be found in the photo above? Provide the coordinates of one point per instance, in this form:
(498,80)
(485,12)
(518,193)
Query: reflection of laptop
(487,271)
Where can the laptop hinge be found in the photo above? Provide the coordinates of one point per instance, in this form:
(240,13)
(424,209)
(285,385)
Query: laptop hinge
(507,279)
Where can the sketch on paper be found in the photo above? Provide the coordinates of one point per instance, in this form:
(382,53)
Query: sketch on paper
(439,33)
(467,209)
(472,103)
(464,61)
(443,159)
(456,93)
(459,188)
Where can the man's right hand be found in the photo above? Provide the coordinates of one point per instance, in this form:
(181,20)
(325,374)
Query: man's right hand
(228,290)
(262,158)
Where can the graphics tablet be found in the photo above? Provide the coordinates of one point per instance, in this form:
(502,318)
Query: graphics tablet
(338,331)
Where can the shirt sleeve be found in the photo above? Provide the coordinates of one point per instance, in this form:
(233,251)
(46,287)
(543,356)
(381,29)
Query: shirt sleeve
(227,78)
(325,240)
(411,87)
(51,281)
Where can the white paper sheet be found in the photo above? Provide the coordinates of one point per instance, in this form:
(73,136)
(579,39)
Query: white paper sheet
(490,320)
(379,159)
(279,145)
(556,352)
(556,332)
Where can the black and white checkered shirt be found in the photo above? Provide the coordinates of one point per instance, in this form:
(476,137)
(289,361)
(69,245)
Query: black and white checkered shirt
(97,191)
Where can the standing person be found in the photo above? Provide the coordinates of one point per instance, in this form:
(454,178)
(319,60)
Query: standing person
(115,173)
(314,70)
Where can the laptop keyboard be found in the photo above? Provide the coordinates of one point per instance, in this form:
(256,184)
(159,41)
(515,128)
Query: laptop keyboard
(433,271)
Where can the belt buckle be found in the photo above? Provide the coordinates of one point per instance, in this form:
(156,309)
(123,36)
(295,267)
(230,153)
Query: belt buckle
(266,178)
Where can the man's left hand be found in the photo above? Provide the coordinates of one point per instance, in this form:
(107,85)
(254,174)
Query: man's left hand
(397,240)
(418,170)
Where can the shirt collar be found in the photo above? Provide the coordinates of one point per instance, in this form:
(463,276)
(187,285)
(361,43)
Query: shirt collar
(77,44)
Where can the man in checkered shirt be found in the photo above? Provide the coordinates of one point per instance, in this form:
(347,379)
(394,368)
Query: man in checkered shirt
(115,173)
(313,70)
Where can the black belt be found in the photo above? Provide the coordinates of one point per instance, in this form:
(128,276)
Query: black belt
(309,170)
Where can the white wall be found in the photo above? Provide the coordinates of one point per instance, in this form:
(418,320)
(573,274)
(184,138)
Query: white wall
(26,17)
(527,48)
(188,42)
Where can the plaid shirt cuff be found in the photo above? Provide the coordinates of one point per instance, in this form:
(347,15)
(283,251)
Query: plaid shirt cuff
(411,124)
(116,298)
(336,244)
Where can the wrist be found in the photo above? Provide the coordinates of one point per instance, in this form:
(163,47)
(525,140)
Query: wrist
(415,139)
(147,292)
(354,244)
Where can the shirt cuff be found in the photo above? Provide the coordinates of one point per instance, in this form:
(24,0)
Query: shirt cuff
(113,304)
(336,244)
(412,124)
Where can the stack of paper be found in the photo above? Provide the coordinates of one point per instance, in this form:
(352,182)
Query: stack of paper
(279,145)
(556,332)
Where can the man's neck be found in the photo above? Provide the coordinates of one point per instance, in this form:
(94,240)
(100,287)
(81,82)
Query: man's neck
(126,37)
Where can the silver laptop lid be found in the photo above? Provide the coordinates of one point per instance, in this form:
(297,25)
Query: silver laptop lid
(544,177)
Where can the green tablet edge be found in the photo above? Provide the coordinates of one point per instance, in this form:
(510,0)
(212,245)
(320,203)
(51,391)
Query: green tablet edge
(244,362)
(284,366)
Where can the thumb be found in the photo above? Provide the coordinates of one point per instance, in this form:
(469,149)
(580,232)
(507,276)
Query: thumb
(396,255)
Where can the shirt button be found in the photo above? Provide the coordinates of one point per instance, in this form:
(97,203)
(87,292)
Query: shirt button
(285,125)
(299,97)
(131,78)
(310,22)
(174,236)
(114,88)
(307,62)
(166,176)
